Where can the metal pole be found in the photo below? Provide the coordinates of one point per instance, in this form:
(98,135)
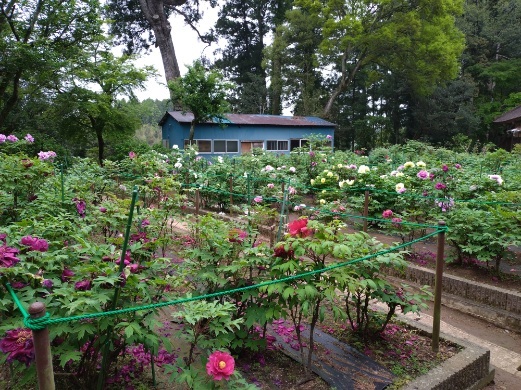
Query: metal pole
(231,194)
(106,349)
(366,209)
(42,350)
(61,176)
(197,201)
(438,288)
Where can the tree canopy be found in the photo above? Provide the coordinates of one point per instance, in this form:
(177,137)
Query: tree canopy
(201,92)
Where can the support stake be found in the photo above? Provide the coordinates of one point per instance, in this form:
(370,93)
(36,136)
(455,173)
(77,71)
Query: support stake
(366,209)
(42,350)
(438,288)
(231,195)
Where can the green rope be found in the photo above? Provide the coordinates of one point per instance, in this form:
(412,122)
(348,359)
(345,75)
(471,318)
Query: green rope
(37,324)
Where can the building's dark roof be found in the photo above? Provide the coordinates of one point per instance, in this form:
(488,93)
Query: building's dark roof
(254,119)
(510,116)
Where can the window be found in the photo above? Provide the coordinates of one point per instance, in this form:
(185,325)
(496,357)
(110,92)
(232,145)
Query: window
(203,145)
(225,146)
(298,143)
(276,145)
(166,143)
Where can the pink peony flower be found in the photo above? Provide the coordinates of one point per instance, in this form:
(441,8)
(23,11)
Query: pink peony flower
(257,199)
(440,186)
(424,175)
(220,365)
(35,243)
(80,206)
(132,155)
(396,222)
(444,168)
(47,283)
(2,138)
(8,256)
(299,228)
(12,138)
(29,138)
(237,235)
(18,345)
(102,210)
(387,214)
(270,185)
(50,155)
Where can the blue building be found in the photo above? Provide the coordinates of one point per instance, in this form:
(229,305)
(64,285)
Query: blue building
(240,133)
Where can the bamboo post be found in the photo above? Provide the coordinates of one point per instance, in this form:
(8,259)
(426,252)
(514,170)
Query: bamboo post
(366,209)
(42,350)
(438,288)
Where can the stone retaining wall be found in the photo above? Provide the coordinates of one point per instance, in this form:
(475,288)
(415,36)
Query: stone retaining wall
(499,305)
(468,370)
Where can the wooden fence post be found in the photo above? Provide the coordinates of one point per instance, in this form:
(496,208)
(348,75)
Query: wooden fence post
(438,288)
(42,350)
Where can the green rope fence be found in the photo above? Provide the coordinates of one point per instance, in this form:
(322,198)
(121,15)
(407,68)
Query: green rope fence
(42,323)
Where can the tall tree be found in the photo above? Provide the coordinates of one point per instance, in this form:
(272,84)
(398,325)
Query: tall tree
(492,59)
(201,92)
(133,19)
(244,24)
(416,38)
(87,105)
(38,38)
(295,50)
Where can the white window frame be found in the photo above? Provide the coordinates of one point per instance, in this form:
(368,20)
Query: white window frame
(299,142)
(196,141)
(226,146)
(277,141)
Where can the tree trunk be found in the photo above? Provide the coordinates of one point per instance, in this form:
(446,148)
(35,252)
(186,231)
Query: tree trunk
(13,99)
(154,12)
(345,81)
(192,132)
(101,146)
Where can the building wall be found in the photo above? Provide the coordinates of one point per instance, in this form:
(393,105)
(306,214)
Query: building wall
(176,133)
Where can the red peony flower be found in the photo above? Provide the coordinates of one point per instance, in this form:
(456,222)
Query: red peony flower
(299,228)
(18,345)
(8,256)
(281,252)
(220,365)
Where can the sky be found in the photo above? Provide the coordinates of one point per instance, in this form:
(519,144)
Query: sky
(187,47)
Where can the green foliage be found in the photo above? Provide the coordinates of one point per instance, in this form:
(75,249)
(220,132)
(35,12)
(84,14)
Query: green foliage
(201,92)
